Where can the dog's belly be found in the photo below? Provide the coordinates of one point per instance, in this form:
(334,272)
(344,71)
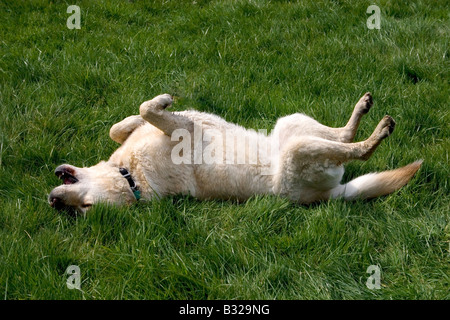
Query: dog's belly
(231,181)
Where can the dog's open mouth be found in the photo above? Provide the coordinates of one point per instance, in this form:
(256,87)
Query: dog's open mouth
(66,177)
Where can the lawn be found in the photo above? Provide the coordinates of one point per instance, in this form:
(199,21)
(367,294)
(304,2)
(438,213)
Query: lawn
(250,62)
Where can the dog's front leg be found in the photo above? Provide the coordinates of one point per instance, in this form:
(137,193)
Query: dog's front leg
(347,133)
(154,111)
(122,130)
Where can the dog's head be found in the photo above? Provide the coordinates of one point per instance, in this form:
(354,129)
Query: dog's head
(82,187)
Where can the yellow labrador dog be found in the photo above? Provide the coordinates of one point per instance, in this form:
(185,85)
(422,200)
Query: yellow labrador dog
(189,152)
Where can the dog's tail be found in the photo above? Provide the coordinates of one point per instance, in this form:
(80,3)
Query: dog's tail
(376,184)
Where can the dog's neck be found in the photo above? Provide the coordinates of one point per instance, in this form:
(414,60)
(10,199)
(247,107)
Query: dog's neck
(134,188)
(146,190)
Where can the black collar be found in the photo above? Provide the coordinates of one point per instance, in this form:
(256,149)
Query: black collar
(131,182)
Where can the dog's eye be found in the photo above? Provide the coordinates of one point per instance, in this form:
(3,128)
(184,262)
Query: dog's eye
(86,205)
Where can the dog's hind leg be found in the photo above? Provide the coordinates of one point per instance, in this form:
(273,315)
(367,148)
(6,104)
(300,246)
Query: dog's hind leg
(347,133)
(301,125)
(310,167)
(154,111)
(122,130)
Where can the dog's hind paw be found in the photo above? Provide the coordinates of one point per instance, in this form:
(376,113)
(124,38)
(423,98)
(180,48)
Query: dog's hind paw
(365,103)
(385,127)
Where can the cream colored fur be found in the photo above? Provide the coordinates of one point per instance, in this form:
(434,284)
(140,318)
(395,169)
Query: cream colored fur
(307,165)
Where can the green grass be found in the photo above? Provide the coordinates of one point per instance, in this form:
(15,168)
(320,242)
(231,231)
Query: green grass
(249,62)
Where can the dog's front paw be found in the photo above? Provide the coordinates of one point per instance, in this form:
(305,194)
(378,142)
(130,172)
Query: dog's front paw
(163,101)
(156,105)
